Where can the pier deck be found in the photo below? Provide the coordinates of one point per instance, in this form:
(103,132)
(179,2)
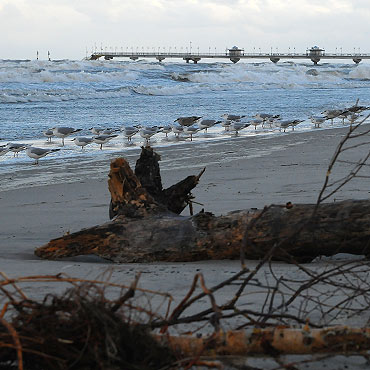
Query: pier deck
(196,57)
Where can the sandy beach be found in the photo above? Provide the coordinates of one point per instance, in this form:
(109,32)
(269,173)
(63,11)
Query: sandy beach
(241,173)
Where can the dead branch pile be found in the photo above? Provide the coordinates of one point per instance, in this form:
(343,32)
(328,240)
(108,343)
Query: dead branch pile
(80,329)
(104,325)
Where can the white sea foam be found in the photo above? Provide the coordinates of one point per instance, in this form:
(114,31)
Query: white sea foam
(293,75)
(28,96)
(360,72)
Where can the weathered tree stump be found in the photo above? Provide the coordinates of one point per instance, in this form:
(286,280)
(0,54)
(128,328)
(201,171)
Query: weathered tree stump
(143,189)
(147,226)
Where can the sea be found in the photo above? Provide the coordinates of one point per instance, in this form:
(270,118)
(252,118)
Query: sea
(36,95)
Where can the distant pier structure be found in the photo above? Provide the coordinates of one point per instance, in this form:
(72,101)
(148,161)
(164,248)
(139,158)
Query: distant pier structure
(315,54)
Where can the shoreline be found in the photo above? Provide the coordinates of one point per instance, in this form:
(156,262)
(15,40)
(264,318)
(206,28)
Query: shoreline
(73,165)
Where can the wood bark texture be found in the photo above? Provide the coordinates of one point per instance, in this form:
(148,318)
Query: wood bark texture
(147,226)
(273,341)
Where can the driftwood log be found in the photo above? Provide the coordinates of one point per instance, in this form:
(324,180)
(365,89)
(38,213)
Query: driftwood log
(272,341)
(147,227)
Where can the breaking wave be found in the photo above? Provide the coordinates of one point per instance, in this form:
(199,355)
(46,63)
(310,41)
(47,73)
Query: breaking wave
(60,95)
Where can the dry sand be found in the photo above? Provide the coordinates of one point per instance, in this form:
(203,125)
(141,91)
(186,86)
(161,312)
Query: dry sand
(241,173)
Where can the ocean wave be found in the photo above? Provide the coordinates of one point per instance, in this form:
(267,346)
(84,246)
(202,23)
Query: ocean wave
(180,77)
(42,76)
(289,75)
(73,71)
(161,90)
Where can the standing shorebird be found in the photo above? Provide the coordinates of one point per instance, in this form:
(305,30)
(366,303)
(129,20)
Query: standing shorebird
(296,122)
(63,132)
(103,139)
(147,133)
(130,131)
(102,131)
(49,134)
(271,120)
(205,124)
(226,124)
(82,141)
(37,153)
(265,117)
(232,117)
(283,124)
(177,130)
(165,129)
(256,122)
(187,121)
(317,120)
(333,113)
(237,126)
(357,108)
(16,148)
(191,130)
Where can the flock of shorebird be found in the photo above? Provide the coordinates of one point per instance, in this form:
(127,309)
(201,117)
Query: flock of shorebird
(188,126)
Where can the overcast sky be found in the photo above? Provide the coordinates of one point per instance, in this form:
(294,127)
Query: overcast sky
(68,27)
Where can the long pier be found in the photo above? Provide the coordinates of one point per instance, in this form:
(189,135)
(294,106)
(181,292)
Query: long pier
(315,55)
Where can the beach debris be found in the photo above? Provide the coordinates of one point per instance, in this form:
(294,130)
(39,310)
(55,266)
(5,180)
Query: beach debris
(79,329)
(106,324)
(146,226)
(273,341)
(135,191)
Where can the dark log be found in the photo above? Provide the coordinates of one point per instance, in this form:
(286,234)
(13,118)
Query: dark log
(145,230)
